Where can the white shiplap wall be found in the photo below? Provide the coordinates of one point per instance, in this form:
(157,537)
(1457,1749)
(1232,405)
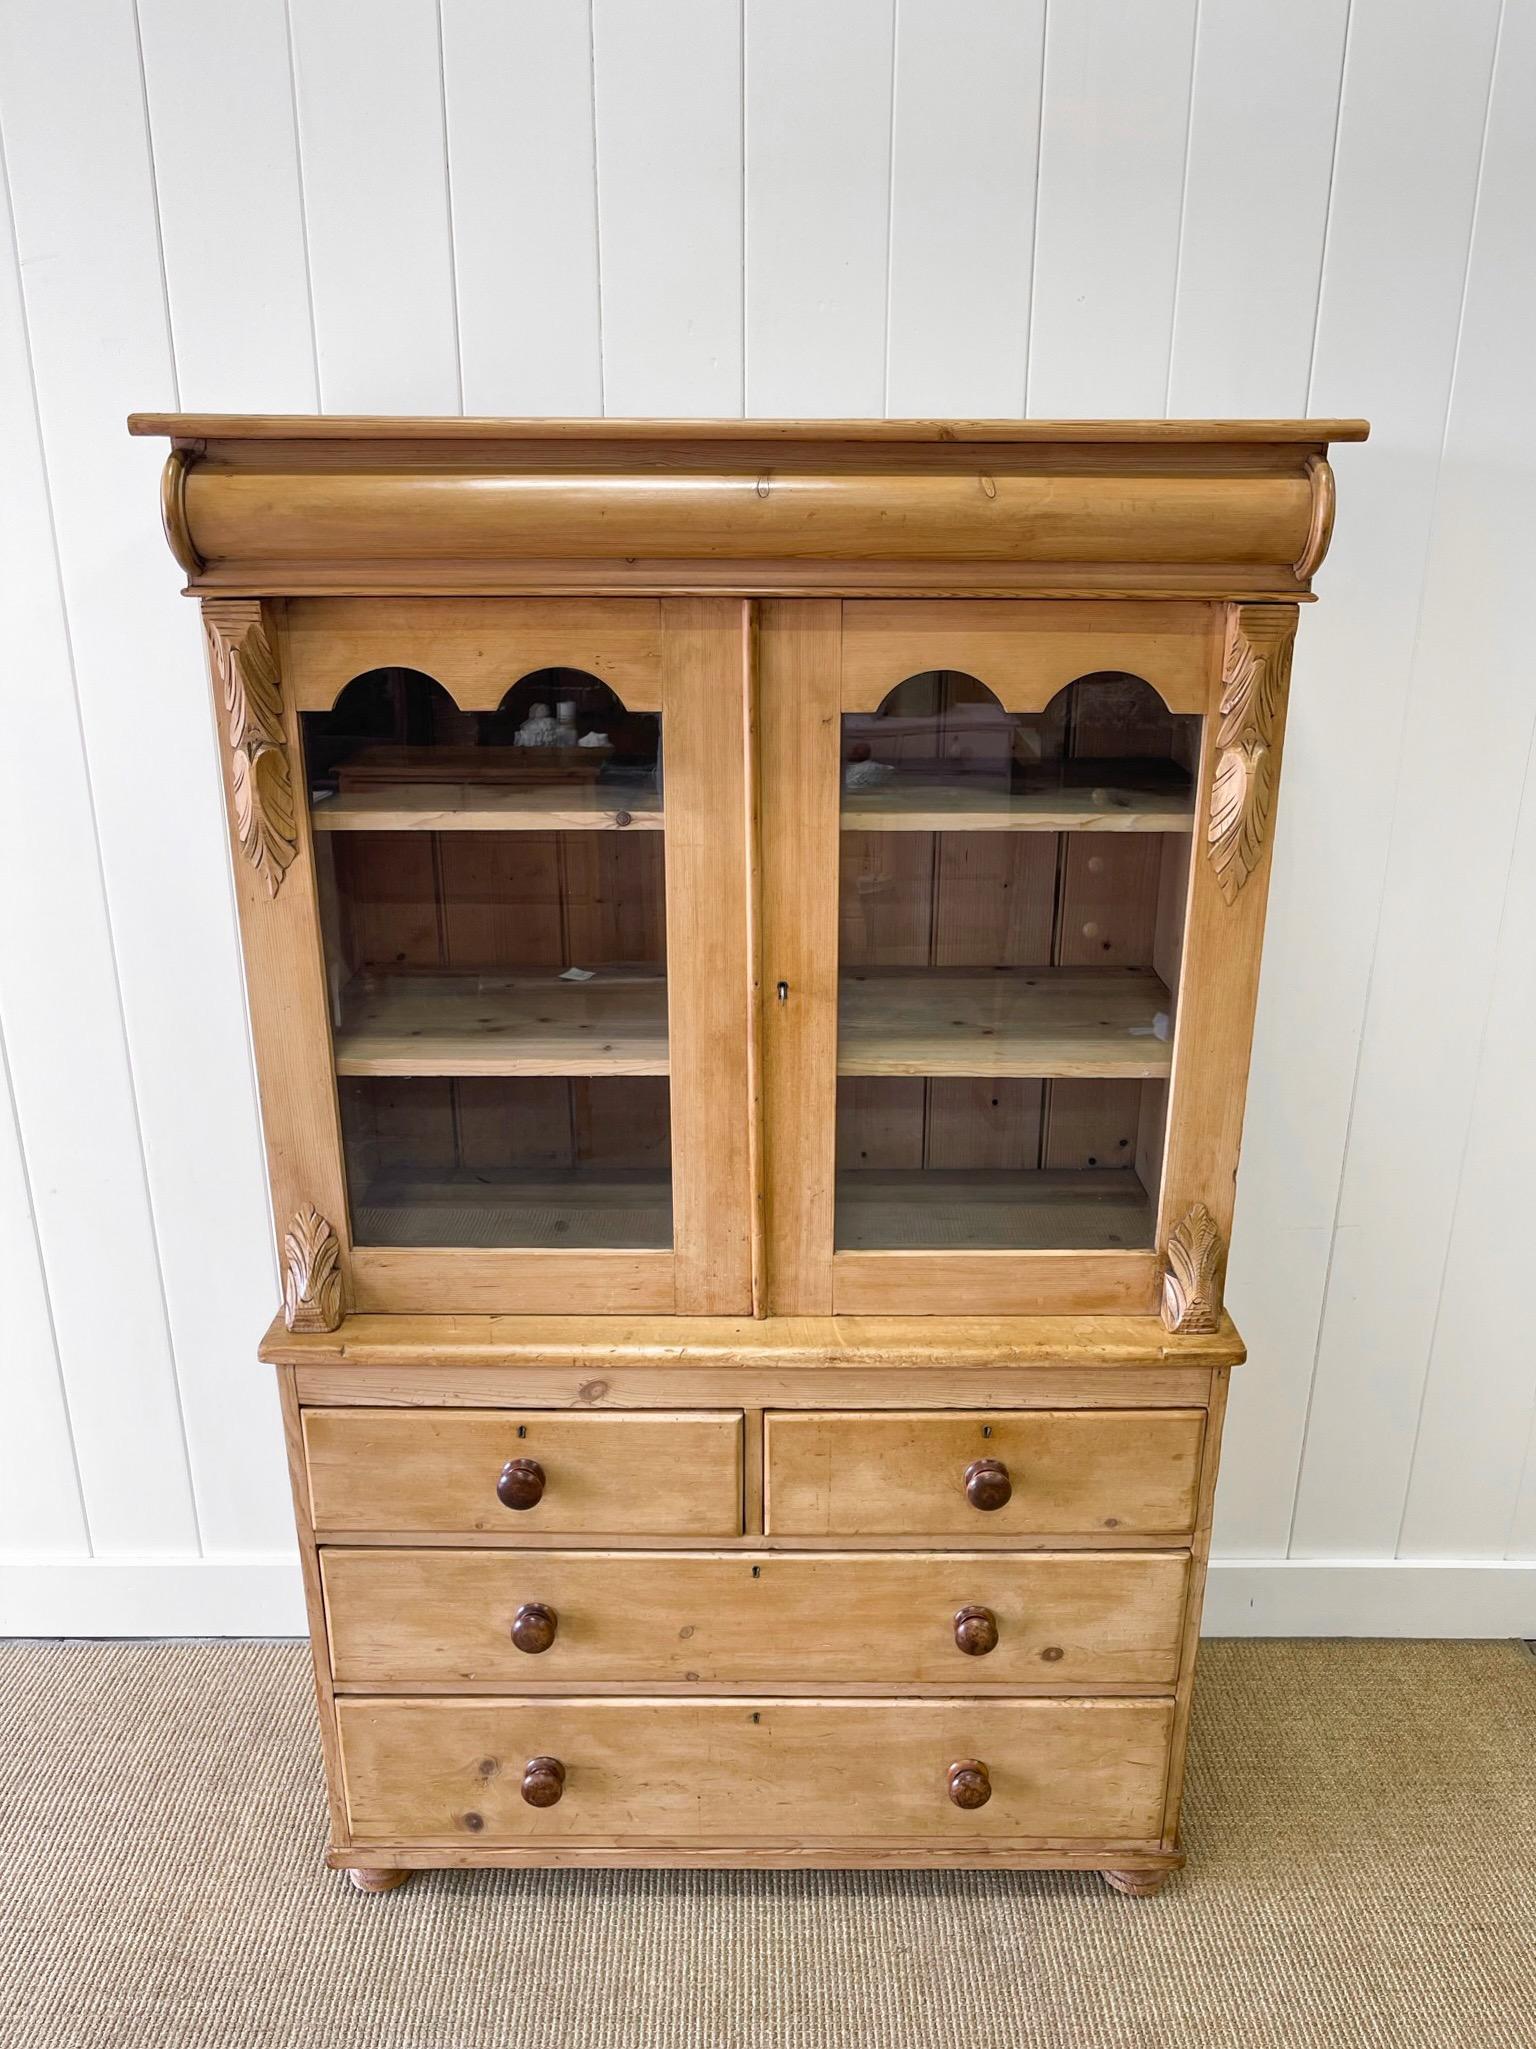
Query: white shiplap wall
(1066,207)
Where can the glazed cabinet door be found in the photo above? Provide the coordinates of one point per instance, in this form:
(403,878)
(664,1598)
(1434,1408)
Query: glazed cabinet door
(1014,859)
(492,856)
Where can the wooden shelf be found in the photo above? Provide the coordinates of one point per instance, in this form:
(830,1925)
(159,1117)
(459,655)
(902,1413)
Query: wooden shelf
(1003,1021)
(483,807)
(550,1211)
(415,1024)
(1031,1211)
(944,807)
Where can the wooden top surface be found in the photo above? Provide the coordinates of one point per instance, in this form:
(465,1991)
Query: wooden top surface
(891,1342)
(364,427)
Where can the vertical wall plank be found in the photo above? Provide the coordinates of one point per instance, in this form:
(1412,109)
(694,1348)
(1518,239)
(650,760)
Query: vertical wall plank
(818,146)
(668,81)
(1436,823)
(96,312)
(1480,1396)
(1264,113)
(1397,241)
(41,1508)
(1522,1536)
(1265,104)
(59,1003)
(231,216)
(1112,144)
(1424,1124)
(377,206)
(517,83)
(965,133)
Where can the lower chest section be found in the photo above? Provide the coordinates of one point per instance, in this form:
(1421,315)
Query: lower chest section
(760,1633)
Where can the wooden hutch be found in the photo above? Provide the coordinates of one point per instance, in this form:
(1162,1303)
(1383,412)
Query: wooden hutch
(752,932)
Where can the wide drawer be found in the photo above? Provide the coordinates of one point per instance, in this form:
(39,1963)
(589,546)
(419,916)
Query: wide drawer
(631,1474)
(1063,1472)
(444,1620)
(753,1770)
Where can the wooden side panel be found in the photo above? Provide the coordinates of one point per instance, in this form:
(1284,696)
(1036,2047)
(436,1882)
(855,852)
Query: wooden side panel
(633,1475)
(709,968)
(1210,1465)
(274,869)
(1133,1471)
(799,715)
(1224,922)
(314,1599)
(440,1621)
(769,1771)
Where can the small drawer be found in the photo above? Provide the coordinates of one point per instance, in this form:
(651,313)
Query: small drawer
(755,1771)
(974,1473)
(498,1621)
(524,1472)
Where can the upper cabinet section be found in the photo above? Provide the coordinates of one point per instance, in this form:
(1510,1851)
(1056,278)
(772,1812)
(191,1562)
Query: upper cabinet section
(798,868)
(1188,509)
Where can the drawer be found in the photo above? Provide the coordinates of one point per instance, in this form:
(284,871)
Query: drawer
(598,1475)
(753,1770)
(1064,1472)
(443,1620)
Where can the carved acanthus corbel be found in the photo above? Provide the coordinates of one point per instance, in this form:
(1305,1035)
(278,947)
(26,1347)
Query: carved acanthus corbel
(252,707)
(311,1272)
(1193,1273)
(1255,675)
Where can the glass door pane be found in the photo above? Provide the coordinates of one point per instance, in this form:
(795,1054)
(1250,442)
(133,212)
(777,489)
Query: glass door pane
(493,905)
(1011,914)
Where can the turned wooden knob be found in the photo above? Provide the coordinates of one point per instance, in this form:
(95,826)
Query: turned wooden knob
(987,1484)
(534,1626)
(543,1781)
(975,1632)
(969,1783)
(521,1484)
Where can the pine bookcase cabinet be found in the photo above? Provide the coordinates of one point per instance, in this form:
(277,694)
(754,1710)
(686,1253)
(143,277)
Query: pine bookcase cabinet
(752,932)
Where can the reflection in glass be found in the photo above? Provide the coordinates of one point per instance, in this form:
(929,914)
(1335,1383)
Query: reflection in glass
(493,904)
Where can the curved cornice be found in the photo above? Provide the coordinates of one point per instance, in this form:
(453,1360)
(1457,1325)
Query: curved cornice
(1166,509)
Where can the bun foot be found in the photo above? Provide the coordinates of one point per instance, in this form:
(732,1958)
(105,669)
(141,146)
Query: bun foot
(377,1881)
(1141,1885)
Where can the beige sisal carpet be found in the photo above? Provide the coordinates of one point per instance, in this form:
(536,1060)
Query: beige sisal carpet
(1361,1822)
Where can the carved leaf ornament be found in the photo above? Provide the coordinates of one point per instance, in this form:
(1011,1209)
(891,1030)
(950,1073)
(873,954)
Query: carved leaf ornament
(252,707)
(311,1272)
(1255,675)
(1192,1276)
